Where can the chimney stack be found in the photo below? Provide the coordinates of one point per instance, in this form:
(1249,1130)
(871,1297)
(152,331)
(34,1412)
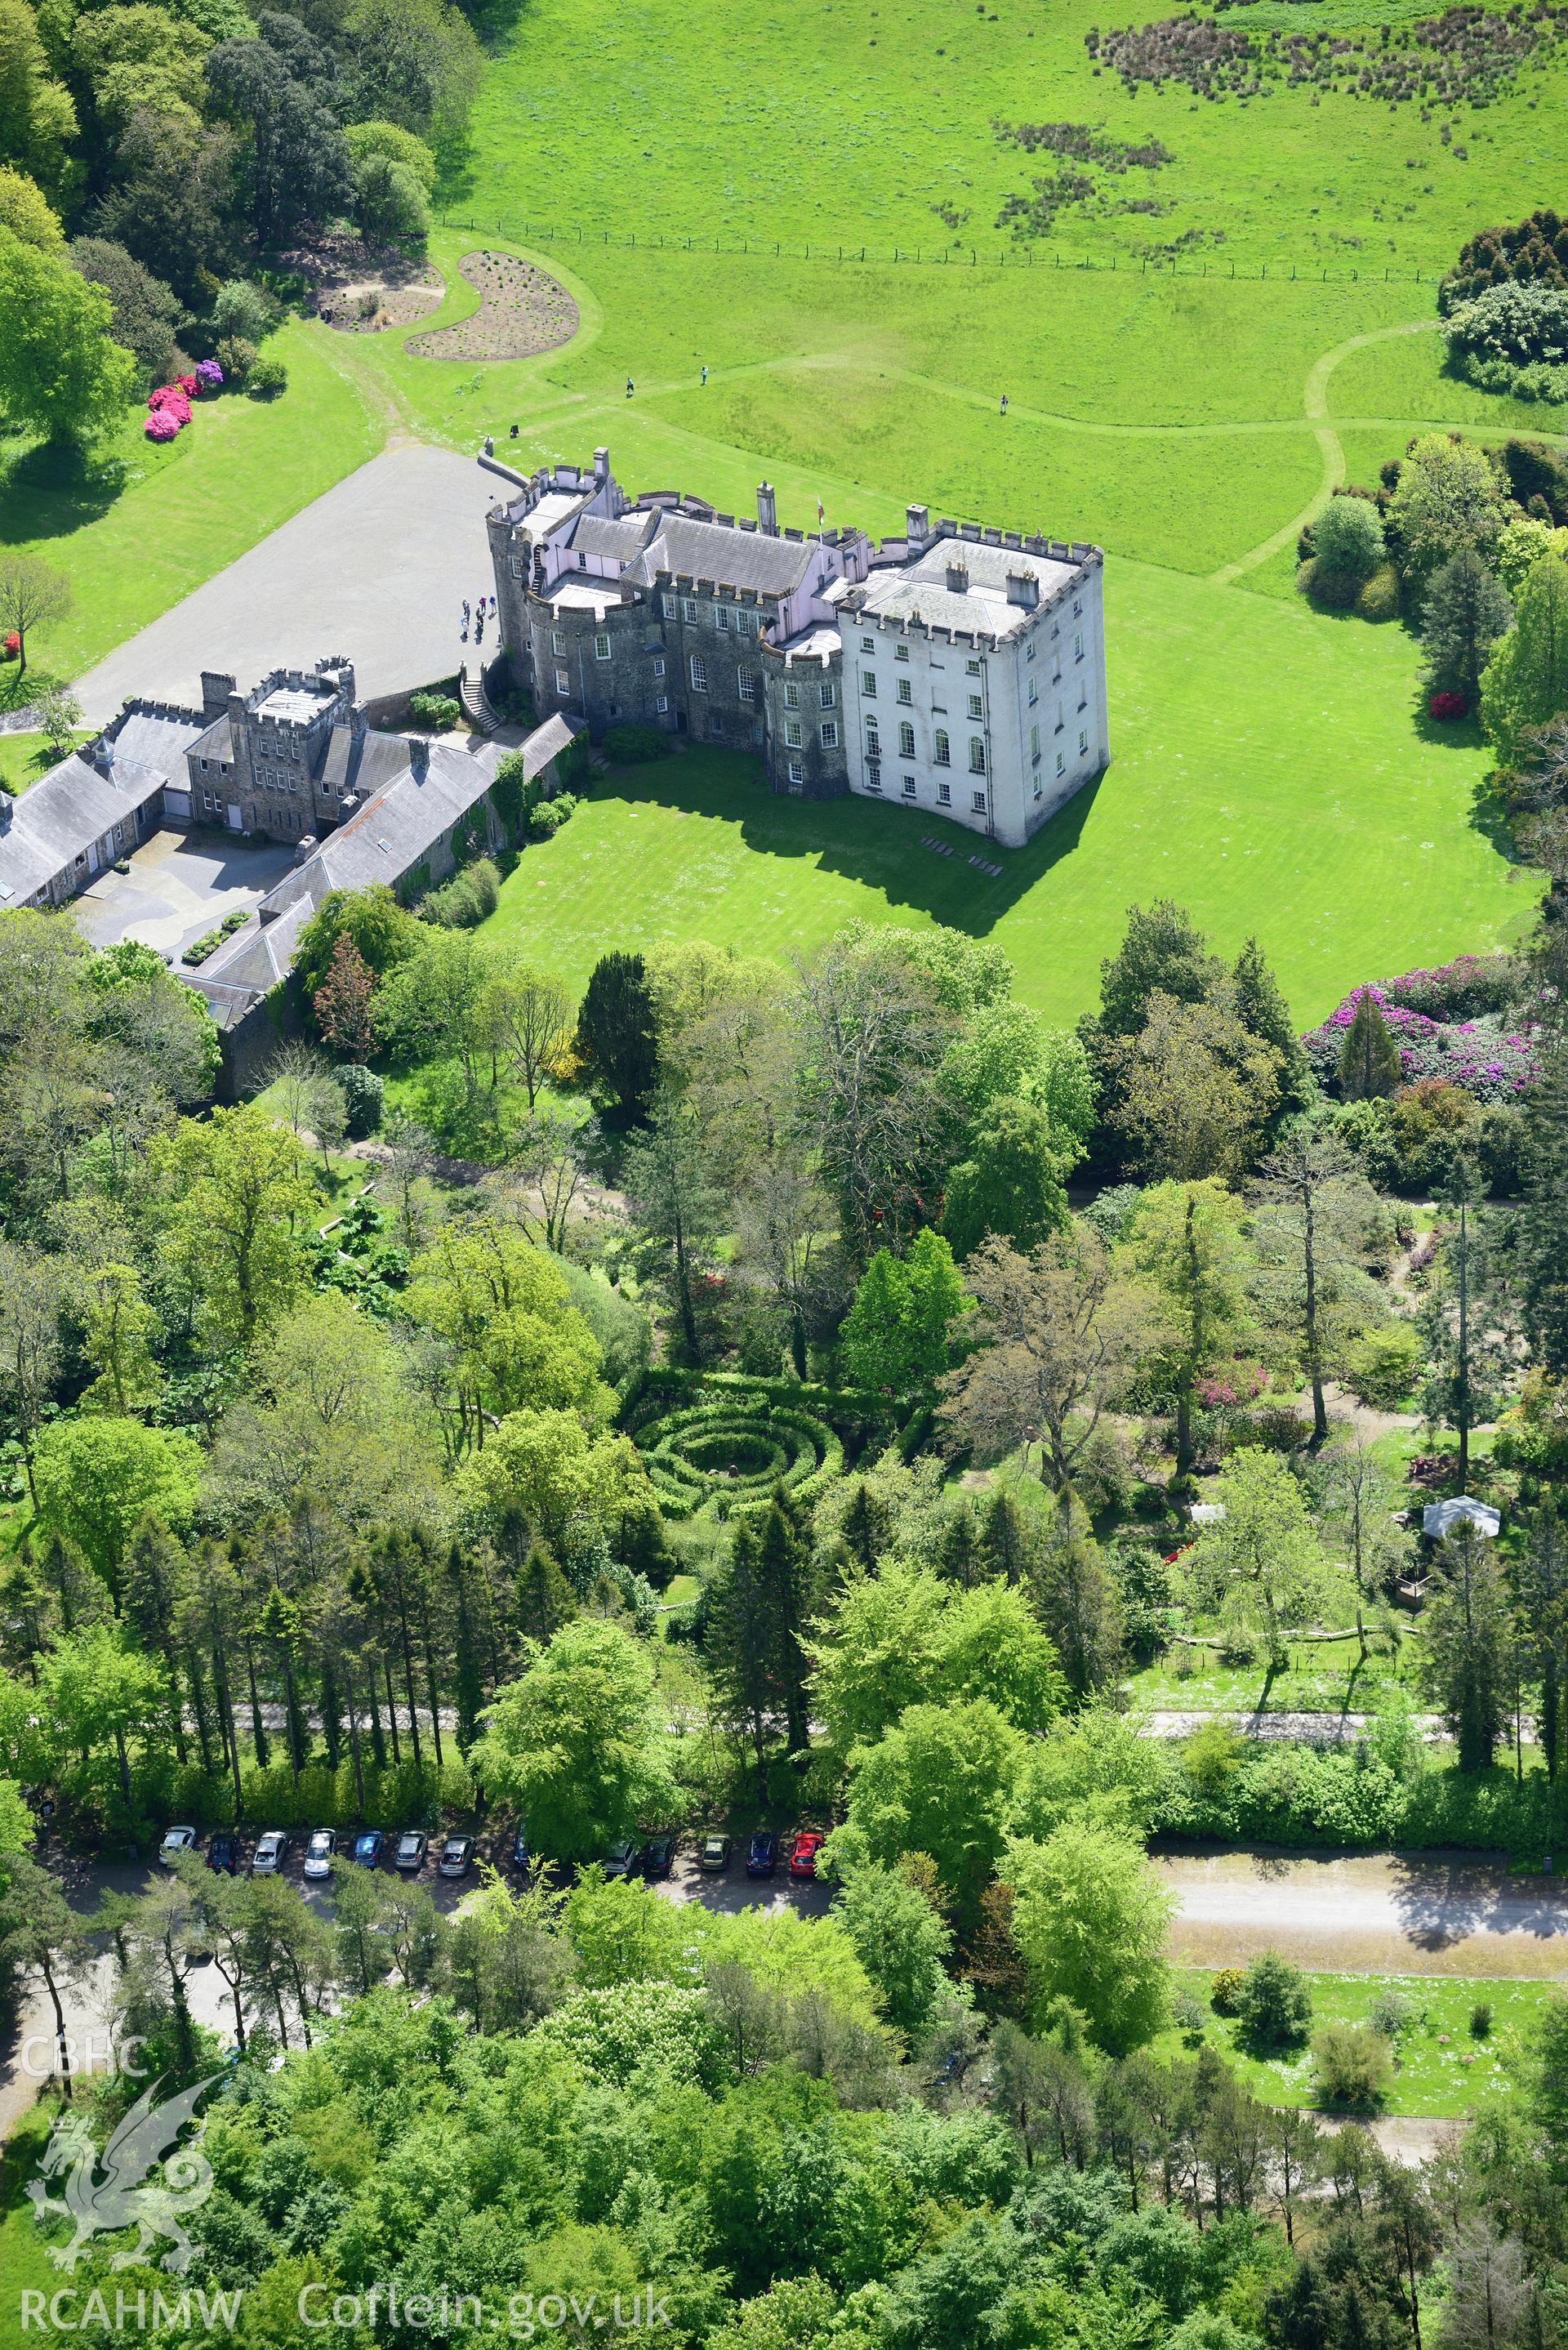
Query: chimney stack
(419,758)
(1023,588)
(601,466)
(767,509)
(957,578)
(918,525)
(216,688)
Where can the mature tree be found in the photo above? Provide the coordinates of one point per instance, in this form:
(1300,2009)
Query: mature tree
(95,1477)
(418,64)
(1163,953)
(32,594)
(1185,1240)
(547,1466)
(1526,679)
(1447,502)
(137,55)
(1195,1090)
(1360,1498)
(503,1312)
(895,1333)
(1465,1317)
(530,1017)
(384,933)
(578,1744)
(343,1003)
(1313,1233)
(1261,1568)
(1009,1185)
(171,202)
(147,314)
(1539,1575)
(33,1293)
(118,1330)
(101,1697)
(1259,1005)
(1369,1059)
(26,212)
(61,376)
(941,1782)
(37,117)
(1077,1602)
(1465,1630)
(902,1943)
(669,1182)
(1466,610)
(1348,538)
(1090,1919)
(431,1005)
(238,1204)
(294,160)
(41,1934)
(1542,1238)
(871,1031)
(740,1645)
(784,1225)
(617,1040)
(1058,1333)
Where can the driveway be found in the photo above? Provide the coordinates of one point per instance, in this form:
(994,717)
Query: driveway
(180,884)
(1375,1914)
(375,570)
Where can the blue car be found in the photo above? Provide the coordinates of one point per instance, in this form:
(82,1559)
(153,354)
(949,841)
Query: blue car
(520,1851)
(762,1853)
(368,1848)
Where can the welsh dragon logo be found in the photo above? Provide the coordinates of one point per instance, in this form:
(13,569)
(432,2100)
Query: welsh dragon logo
(125,2196)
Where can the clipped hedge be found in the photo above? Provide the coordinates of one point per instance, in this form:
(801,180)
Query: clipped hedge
(737,1452)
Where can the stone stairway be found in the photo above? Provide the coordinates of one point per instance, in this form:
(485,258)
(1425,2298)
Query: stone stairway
(476,704)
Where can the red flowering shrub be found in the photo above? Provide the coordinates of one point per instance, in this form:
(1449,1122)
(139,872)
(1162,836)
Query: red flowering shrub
(13,645)
(161,425)
(1447,705)
(188,385)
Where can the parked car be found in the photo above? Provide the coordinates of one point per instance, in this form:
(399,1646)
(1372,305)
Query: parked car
(320,1852)
(621,1857)
(410,1856)
(271,1852)
(368,1848)
(714,1858)
(520,1850)
(762,1853)
(802,1857)
(659,1857)
(175,1842)
(456,1857)
(224,1853)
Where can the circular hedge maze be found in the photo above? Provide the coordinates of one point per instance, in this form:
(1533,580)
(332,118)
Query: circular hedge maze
(731,1454)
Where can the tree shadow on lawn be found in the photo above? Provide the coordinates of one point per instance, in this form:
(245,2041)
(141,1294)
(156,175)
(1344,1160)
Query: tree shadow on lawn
(880,844)
(48,491)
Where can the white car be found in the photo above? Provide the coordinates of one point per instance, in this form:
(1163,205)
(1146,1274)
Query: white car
(318,1853)
(271,1852)
(176,1841)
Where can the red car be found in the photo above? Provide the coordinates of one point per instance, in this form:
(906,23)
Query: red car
(802,1857)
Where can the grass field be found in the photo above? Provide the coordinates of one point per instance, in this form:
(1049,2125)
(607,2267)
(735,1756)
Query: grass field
(1442,2071)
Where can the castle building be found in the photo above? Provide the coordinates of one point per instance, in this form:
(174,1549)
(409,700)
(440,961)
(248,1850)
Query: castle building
(958,671)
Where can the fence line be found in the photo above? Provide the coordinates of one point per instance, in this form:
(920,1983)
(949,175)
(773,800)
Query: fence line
(1276,272)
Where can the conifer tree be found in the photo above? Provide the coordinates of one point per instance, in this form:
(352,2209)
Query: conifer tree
(1369,1059)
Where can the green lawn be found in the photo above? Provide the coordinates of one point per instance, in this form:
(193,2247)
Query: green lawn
(1266,771)
(139,525)
(1323,1678)
(1442,2071)
(22,760)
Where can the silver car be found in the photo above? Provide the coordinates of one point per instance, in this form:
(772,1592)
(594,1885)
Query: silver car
(319,1851)
(176,1841)
(271,1852)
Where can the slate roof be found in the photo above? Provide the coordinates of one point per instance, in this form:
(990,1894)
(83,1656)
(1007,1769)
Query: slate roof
(732,558)
(217,743)
(620,541)
(59,817)
(382,841)
(919,590)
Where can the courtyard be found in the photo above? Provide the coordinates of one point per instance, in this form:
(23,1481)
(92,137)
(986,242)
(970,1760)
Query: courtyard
(180,884)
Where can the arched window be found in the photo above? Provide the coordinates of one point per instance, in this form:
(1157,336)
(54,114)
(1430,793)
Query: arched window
(976,754)
(942,754)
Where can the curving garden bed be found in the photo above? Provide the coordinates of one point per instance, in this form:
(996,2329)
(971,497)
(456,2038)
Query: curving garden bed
(729,1455)
(522,311)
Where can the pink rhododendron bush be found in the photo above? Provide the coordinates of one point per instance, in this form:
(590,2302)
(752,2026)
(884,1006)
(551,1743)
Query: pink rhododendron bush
(1454,1021)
